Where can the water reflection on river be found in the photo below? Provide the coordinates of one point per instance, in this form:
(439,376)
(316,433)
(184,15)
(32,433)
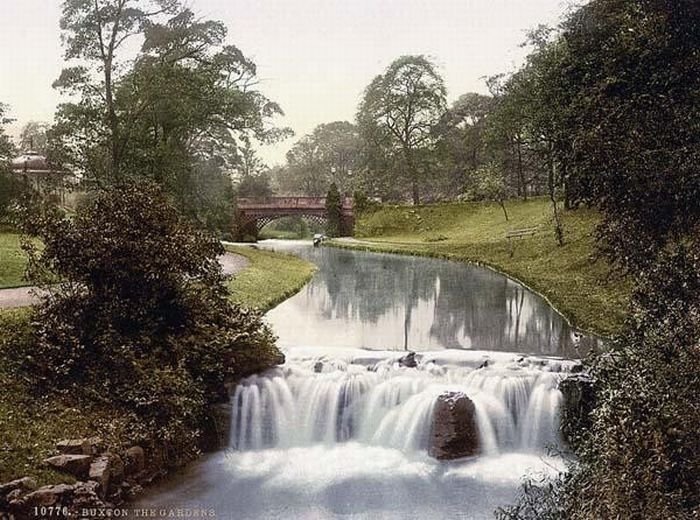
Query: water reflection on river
(382,301)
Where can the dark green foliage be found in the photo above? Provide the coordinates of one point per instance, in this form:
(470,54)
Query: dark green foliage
(642,457)
(334,208)
(634,75)
(10,186)
(141,318)
(362,203)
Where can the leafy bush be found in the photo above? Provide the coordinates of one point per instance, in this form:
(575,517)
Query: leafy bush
(137,313)
(641,456)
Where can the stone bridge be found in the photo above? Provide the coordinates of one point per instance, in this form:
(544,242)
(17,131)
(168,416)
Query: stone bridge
(252,214)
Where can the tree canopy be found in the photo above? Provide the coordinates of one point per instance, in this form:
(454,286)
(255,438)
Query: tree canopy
(179,111)
(399,112)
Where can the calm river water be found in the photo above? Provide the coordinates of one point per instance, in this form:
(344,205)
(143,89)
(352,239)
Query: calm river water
(342,429)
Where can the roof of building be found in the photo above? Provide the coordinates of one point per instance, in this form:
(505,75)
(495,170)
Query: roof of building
(33,162)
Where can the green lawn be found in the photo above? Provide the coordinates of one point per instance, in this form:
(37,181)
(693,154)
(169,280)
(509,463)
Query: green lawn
(12,261)
(579,286)
(269,279)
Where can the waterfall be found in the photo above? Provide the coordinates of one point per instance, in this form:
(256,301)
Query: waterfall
(373,400)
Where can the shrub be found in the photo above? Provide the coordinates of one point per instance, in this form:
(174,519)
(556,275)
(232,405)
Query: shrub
(136,312)
(641,456)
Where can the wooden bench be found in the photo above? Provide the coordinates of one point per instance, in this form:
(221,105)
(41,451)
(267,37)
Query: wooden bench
(519,233)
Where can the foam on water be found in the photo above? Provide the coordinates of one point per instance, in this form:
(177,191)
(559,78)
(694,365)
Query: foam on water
(369,398)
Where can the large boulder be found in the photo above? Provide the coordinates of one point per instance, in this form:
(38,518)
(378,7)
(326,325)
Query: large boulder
(455,433)
(107,471)
(76,465)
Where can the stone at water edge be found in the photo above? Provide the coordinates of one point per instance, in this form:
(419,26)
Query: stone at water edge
(100,474)
(408,361)
(455,433)
(135,460)
(76,465)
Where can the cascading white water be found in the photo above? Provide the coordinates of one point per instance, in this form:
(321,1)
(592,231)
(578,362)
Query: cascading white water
(314,399)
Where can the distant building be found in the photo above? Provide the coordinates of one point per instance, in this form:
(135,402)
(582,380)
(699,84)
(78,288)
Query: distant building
(41,176)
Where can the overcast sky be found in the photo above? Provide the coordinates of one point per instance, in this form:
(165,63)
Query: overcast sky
(314,57)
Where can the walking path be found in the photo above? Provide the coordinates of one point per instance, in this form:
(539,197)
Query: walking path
(231,263)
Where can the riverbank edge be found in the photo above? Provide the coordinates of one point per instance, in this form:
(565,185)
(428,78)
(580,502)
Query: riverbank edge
(159,460)
(298,273)
(396,248)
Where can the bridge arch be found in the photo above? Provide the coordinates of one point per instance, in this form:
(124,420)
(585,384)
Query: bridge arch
(252,214)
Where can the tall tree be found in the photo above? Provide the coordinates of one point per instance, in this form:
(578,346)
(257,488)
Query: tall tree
(33,136)
(10,187)
(95,33)
(462,141)
(400,110)
(185,106)
(330,154)
(634,76)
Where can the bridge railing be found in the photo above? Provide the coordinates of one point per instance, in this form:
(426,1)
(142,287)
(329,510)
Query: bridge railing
(289,202)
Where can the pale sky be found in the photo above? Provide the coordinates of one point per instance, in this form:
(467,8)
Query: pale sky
(314,57)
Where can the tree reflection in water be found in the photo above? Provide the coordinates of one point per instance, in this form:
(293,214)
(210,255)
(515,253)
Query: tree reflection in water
(373,300)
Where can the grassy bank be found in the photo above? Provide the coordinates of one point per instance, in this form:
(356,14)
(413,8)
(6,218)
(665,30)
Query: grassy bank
(579,286)
(12,261)
(269,279)
(30,425)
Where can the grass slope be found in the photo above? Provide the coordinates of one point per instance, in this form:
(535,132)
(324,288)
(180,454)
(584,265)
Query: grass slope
(579,286)
(269,279)
(12,261)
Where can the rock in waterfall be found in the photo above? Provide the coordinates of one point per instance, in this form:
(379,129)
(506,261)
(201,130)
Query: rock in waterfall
(455,433)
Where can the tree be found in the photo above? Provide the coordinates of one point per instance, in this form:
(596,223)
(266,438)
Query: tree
(330,154)
(334,209)
(33,136)
(528,120)
(462,142)
(95,33)
(400,110)
(254,186)
(488,184)
(10,187)
(179,112)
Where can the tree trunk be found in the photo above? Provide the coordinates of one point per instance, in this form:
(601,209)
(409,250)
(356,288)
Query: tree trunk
(415,193)
(558,229)
(413,174)
(521,176)
(503,207)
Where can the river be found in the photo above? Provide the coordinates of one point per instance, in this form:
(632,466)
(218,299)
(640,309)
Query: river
(342,430)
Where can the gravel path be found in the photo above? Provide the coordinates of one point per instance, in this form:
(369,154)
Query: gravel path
(231,263)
